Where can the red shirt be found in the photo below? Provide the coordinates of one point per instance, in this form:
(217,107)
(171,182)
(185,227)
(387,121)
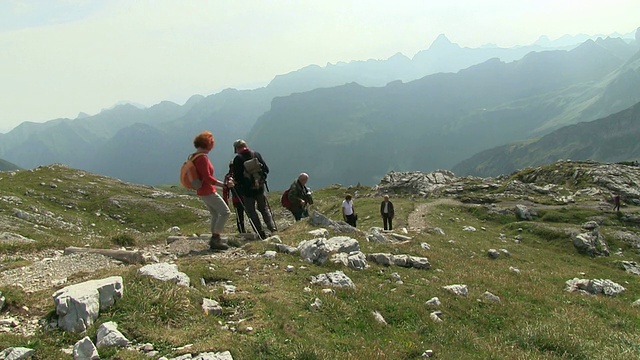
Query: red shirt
(205,174)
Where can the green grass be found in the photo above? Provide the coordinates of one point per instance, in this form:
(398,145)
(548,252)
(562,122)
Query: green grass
(536,318)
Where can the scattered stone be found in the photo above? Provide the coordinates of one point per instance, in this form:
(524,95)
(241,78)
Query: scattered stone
(210,306)
(427,354)
(460,290)
(434,301)
(436,316)
(523,212)
(594,286)
(315,305)
(489,296)
(85,349)
(378,317)
(336,279)
(165,272)
(493,254)
(629,266)
(16,353)
(319,233)
(286,249)
(108,335)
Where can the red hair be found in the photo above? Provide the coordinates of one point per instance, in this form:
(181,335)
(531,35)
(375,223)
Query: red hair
(204,140)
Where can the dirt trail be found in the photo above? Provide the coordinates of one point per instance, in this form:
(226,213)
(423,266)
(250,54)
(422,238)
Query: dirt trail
(416,218)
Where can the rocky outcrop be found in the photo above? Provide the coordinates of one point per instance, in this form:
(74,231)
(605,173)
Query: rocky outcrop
(78,306)
(591,243)
(594,286)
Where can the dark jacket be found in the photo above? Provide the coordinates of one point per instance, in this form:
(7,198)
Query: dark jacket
(390,210)
(244,184)
(297,193)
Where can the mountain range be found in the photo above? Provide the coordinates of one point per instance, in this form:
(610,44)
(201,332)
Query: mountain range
(353,122)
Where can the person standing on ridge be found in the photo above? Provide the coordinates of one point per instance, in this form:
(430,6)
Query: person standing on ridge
(300,197)
(616,202)
(348,212)
(387,212)
(250,175)
(235,199)
(218,209)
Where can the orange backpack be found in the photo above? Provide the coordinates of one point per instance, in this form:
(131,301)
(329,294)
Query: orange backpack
(188,173)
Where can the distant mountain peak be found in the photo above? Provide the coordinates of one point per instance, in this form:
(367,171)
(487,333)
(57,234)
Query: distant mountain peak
(442,42)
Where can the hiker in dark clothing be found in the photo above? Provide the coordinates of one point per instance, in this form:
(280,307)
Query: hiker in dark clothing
(235,199)
(386,211)
(616,202)
(300,197)
(251,187)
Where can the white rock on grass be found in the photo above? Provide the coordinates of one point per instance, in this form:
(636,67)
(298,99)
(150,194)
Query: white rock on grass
(16,353)
(165,272)
(378,317)
(85,349)
(109,335)
(434,301)
(78,306)
(458,289)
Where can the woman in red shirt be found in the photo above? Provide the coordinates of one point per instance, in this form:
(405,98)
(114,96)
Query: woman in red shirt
(219,210)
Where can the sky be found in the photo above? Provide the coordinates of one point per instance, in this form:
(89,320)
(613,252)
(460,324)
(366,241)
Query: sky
(62,57)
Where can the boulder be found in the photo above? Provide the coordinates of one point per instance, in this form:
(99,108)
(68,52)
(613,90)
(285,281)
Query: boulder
(78,306)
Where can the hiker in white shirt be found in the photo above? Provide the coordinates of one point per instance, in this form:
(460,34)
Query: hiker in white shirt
(348,212)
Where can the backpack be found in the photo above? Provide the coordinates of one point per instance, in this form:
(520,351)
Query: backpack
(188,173)
(284,199)
(253,172)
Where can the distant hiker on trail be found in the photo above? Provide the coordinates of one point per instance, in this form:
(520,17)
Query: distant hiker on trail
(204,143)
(235,199)
(348,212)
(616,202)
(250,175)
(300,197)
(386,211)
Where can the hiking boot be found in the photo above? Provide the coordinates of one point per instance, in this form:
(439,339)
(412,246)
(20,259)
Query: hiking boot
(262,234)
(218,243)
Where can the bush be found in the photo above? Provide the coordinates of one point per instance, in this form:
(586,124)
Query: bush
(123,240)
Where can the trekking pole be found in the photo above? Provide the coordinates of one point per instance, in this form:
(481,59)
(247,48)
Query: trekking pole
(233,189)
(271,212)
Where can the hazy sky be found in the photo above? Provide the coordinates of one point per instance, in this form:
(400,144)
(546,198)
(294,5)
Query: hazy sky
(62,57)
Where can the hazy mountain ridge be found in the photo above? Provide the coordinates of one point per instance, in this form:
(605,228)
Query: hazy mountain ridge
(92,142)
(355,134)
(7,166)
(611,139)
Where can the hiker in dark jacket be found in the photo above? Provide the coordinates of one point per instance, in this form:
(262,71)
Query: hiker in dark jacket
(386,211)
(235,199)
(252,190)
(300,197)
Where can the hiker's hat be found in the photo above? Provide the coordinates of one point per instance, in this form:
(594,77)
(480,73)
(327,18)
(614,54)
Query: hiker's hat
(239,143)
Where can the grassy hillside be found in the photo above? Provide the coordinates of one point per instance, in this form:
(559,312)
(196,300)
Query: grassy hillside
(269,315)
